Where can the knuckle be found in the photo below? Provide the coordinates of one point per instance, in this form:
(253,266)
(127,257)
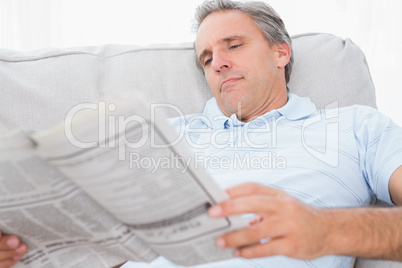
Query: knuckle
(227,207)
(291,205)
(251,187)
(293,249)
(262,251)
(257,251)
(259,233)
(239,238)
(256,202)
(248,252)
(230,240)
(292,226)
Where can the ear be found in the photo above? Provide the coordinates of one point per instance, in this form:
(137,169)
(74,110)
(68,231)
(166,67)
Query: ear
(283,56)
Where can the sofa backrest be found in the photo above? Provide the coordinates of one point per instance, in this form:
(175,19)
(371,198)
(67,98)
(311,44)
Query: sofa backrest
(39,87)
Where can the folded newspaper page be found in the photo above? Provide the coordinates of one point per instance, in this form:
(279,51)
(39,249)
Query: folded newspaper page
(114,182)
(61,225)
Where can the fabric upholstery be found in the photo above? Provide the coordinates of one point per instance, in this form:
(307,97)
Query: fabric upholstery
(39,87)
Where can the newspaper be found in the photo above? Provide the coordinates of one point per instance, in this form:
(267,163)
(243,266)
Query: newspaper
(114,182)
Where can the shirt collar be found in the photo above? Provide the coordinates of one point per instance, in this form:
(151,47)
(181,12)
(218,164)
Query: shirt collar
(296,108)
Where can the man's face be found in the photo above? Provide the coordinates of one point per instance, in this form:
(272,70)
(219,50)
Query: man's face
(240,66)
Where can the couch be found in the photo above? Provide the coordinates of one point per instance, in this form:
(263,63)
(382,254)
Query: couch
(39,87)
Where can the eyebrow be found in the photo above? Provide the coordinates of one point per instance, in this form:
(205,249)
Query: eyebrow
(203,54)
(224,40)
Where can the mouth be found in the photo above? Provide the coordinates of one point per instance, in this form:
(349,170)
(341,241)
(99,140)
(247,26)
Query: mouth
(229,81)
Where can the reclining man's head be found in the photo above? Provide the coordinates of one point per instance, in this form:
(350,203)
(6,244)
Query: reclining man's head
(245,53)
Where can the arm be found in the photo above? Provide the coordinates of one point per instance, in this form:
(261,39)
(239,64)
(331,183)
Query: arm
(395,187)
(300,231)
(11,250)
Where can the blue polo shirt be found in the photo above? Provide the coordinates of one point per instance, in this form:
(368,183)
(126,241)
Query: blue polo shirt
(334,157)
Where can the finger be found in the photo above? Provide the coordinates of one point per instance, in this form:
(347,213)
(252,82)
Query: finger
(252,188)
(8,263)
(10,257)
(257,204)
(254,220)
(22,249)
(252,235)
(9,254)
(271,248)
(280,246)
(9,242)
(12,253)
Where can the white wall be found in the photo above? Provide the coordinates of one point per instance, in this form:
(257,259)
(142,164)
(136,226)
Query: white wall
(375,25)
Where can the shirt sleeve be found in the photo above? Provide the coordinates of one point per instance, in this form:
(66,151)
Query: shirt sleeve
(379,141)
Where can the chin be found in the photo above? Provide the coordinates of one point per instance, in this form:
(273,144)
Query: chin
(232,110)
(231,103)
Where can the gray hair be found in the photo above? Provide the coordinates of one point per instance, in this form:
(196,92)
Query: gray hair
(266,18)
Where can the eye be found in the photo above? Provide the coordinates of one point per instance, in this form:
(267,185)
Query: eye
(208,61)
(235,46)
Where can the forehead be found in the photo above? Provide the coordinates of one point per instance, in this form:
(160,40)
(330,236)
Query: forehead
(222,24)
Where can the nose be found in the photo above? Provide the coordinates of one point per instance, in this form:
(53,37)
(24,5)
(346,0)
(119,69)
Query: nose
(220,62)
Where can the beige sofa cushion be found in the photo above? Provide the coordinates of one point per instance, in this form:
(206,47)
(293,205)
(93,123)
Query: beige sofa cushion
(39,87)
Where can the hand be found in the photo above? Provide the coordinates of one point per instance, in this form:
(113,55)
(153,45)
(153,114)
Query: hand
(292,228)
(11,250)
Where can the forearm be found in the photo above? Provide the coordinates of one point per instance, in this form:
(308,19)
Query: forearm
(365,232)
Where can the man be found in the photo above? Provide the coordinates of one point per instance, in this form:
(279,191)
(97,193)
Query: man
(243,64)
(245,53)
(301,207)
(244,61)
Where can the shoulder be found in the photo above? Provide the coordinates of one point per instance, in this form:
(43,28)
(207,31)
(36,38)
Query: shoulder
(369,119)
(361,116)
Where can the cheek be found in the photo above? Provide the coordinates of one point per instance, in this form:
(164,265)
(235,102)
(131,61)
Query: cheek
(265,74)
(212,83)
